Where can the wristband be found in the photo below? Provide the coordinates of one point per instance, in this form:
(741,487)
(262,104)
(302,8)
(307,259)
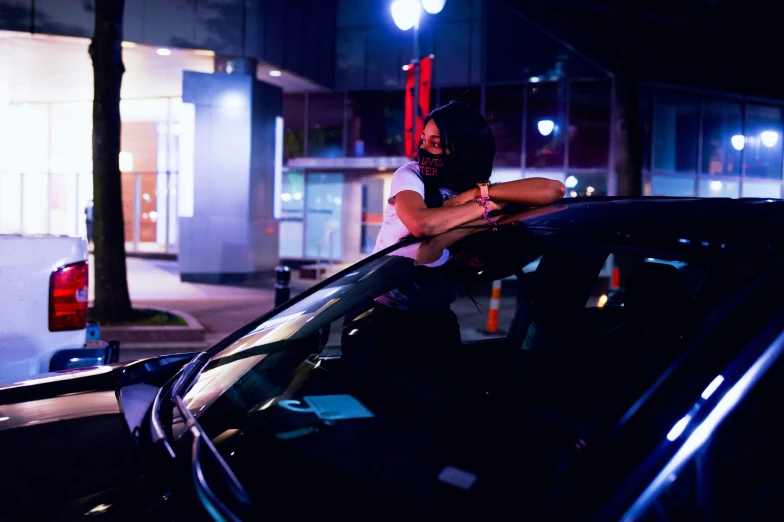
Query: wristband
(484,189)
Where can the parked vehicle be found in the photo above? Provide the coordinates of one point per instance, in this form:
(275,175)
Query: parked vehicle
(43,310)
(662,409)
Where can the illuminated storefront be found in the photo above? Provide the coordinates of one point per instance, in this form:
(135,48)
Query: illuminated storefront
(46,137)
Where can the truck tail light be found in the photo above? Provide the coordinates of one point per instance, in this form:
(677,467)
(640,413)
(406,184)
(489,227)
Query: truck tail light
(68,297)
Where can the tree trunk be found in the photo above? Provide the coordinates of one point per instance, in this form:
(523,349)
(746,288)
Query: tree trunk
(629,158)
(112,302)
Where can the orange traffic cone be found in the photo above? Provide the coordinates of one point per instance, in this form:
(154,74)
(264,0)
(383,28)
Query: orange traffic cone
(492,316)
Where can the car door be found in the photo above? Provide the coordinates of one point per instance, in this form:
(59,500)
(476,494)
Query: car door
(730,466)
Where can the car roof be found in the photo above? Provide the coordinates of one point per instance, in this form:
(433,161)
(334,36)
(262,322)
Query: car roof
(749,223)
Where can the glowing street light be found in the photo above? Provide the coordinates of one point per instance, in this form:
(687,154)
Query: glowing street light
(433,6)
(738,141)
(405,13)
(545,127)
(769,138)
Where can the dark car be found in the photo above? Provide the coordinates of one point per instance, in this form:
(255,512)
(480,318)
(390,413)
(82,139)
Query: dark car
(662,409)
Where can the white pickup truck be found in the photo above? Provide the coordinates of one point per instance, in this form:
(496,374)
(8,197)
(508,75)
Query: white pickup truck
(43,306)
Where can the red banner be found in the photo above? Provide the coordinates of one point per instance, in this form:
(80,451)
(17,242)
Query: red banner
(425,75)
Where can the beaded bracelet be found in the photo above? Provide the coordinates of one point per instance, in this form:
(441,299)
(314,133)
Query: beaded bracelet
(486,214)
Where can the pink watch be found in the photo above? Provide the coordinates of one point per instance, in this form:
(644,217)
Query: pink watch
(484,189)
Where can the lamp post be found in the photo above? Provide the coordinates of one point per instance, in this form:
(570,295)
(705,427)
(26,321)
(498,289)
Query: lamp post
(406,14)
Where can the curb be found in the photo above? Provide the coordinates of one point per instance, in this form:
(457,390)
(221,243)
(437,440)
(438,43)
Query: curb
(153,349)
(161,348)
(157,335)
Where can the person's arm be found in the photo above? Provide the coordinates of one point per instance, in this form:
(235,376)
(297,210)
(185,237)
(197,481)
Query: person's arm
(422,221)
(431,249)
(534,192)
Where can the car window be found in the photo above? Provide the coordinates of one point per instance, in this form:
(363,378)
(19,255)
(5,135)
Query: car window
(611,286)
(737,474)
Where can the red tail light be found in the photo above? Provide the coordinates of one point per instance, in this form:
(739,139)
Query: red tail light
(68,298)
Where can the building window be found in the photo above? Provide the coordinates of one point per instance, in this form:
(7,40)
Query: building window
(761,189)
(719,188)
(372,212)
(292,210)
(722,138)
(589,125)
(544,146)
(676,186)
(293,126)
(375,123)
(675,133)
(324,216)
(505,114)
(325,125)
(763,142)
(586,185)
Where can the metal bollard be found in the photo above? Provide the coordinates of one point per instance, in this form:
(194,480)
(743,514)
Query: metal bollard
(282,288)
(112,352)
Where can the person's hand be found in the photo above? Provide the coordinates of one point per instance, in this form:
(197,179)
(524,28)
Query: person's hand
(462,198)
(469,196)
(495,206)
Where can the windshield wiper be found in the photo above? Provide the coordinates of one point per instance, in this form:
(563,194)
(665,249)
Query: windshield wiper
(212,503)
(228,481)
(217,508)
(187,375)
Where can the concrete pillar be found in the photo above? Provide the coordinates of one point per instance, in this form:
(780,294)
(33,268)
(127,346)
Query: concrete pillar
(227,230)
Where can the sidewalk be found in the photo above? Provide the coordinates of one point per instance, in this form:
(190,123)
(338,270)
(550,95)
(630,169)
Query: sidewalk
(221,309)
(153,280)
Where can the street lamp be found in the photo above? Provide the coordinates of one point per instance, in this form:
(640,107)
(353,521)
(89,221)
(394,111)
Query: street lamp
(406,15)
(545,127)
(769,138)
(433,6)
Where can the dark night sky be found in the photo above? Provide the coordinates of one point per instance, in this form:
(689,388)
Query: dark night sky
(722,45)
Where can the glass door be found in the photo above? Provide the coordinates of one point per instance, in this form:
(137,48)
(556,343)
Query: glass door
(324,216)
(372,211)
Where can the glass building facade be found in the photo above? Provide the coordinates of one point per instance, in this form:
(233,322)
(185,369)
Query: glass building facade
(549,105)
(46,176)
(711,145)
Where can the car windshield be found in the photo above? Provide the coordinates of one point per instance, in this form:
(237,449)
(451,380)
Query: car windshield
(410,373)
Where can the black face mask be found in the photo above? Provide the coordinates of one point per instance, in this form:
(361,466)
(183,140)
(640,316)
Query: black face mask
(438,171)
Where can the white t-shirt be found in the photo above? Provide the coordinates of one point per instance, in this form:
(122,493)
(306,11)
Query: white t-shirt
(392,228)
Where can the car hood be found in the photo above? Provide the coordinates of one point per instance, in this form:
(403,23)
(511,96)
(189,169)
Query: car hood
(65,440)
